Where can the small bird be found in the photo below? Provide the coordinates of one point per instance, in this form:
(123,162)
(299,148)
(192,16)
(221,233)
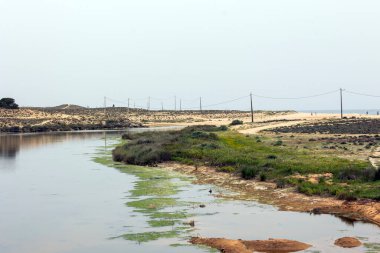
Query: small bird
(210,191)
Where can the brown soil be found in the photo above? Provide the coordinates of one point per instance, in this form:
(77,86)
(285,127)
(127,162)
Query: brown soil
(240,246)
(348,242)
(285,199)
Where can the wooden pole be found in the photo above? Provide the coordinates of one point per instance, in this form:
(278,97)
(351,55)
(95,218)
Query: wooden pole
(341,103)
(251,107)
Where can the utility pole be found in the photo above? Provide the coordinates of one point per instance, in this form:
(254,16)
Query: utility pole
(251,107)
(175,103)
(162,106)
(180,105)
(200,104)
(341,103)
(148,103)
(105,106)
(128,105)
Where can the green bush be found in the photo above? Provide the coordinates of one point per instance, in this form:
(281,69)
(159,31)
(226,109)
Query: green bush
(263,177)
(8,103)
(367,174)
(348,196)
(209,146)
(249,172)
(278,143)
(223,128)
(228,169)
(280,183)
(204,135)
(236,122)
(127,136)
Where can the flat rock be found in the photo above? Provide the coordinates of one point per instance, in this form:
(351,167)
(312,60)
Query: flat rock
(240,246)
(348,242)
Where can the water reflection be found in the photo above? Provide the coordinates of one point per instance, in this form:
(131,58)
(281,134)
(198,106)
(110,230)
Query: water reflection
(10,145)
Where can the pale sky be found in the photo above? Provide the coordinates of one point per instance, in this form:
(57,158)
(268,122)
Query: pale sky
(78,51)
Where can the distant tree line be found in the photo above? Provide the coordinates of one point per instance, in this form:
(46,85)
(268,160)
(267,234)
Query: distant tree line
(8,103)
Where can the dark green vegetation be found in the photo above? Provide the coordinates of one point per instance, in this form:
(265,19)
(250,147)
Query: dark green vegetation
(236,122)
(253,158)
(8,103)
(337,126)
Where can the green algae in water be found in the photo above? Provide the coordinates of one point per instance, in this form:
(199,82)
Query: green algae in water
(160,188)
(372,247)
(153,203)
(169,215)
(149,236)
(162,223)
(155,187)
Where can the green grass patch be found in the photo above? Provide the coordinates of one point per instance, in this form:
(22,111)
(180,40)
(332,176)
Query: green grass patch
(149,236)
(169,215)
(153,203)
(372,247)
(162,223)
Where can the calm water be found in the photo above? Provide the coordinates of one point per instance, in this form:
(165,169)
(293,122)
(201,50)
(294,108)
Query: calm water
(55,198)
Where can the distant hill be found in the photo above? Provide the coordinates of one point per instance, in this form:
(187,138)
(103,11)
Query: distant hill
(68,106)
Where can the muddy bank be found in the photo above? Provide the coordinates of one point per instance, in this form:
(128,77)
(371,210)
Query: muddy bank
(241,246)
(285,199)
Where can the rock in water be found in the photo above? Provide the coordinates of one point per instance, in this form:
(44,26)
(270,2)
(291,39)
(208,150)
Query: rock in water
(241,246)
(348,242)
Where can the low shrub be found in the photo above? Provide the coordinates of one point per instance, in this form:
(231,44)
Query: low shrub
(249,172)
(348,196)
(228,169)
(236,122)
(263,177)
(204,135)
(209,146)
(280,183)
(223,128)
(367,174)
(127,136)
(144,141)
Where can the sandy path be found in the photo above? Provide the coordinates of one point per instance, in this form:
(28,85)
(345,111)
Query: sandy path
(255,130)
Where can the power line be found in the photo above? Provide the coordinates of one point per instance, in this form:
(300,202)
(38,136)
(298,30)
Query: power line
(361,94)
(202,106)
(304,97)
(220,103)
(161,99)
(226,102)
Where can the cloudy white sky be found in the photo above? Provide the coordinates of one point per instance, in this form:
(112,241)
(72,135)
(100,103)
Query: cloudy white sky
(78,51)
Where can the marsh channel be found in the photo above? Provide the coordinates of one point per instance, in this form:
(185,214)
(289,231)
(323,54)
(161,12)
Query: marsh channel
(62,193)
